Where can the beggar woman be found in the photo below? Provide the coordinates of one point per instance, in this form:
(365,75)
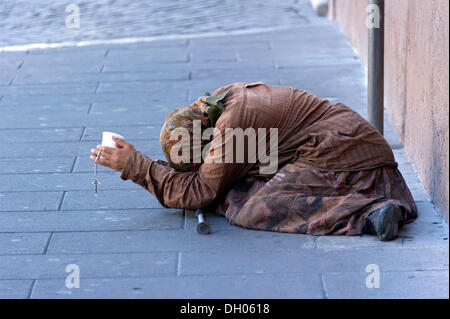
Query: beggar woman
(336,174)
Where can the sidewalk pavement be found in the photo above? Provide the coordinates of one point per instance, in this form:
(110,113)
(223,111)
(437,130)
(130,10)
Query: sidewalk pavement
(54,105)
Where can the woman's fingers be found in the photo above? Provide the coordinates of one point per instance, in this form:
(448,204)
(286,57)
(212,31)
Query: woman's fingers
(102,161)
(103,154)
(95,152)
(120,142)
(106,149)
(112,157)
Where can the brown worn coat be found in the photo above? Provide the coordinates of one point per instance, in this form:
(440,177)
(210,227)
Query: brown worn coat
(313,135)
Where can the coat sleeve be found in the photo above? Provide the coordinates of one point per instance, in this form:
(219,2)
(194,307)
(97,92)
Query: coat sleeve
(189,190)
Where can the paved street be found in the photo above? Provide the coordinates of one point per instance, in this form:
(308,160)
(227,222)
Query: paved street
(54,105)
(25,21)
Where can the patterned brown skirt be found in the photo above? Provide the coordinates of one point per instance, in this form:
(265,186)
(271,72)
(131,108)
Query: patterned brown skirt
(309,201)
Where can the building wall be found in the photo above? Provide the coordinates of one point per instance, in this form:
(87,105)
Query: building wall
(416,80)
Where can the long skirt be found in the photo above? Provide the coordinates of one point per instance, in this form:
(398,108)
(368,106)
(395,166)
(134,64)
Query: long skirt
(309,201)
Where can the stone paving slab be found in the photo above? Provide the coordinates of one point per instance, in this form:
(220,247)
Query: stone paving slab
(110,199)
(436,235)
(26,201)
(296,50)
(145,99)
(235,240)
(225,75)
(62,77)
(161,43)
(5,79)
(91,266)
(83,110)
(341,81)
(86,221)
(214,56)
(15,289)
(66,149)
(99,51)
(36,165)
(237,43)
(62,181)
(154,115)
(20,100)
(429,213)
(402,285)
(144,55)
(310,261)
(145,132)
(53,89)
(110,67)
(205,287)
(357,242)
(68,57)
(9,62)
(38,117)
(154,94)
(104,109)
(30,72)
(234,65)
(292,48)
(57,134)
(18,243)
(319,61)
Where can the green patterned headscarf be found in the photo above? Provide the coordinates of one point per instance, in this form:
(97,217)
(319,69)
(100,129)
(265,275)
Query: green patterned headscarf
(207,109)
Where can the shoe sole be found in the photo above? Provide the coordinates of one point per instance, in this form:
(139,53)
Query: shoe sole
(390,216)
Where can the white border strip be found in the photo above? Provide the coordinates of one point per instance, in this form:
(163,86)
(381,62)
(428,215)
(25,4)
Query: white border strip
(26,47)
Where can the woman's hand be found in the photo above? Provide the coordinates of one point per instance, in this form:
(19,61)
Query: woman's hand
(112,157)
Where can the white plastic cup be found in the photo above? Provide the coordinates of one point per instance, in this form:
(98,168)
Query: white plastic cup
(108,141)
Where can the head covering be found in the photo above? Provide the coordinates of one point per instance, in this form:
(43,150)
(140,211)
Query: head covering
(207,110)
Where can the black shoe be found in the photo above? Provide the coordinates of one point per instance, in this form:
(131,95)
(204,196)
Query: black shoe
(384,222)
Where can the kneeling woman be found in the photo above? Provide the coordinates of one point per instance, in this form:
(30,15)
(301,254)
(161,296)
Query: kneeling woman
(335,173)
